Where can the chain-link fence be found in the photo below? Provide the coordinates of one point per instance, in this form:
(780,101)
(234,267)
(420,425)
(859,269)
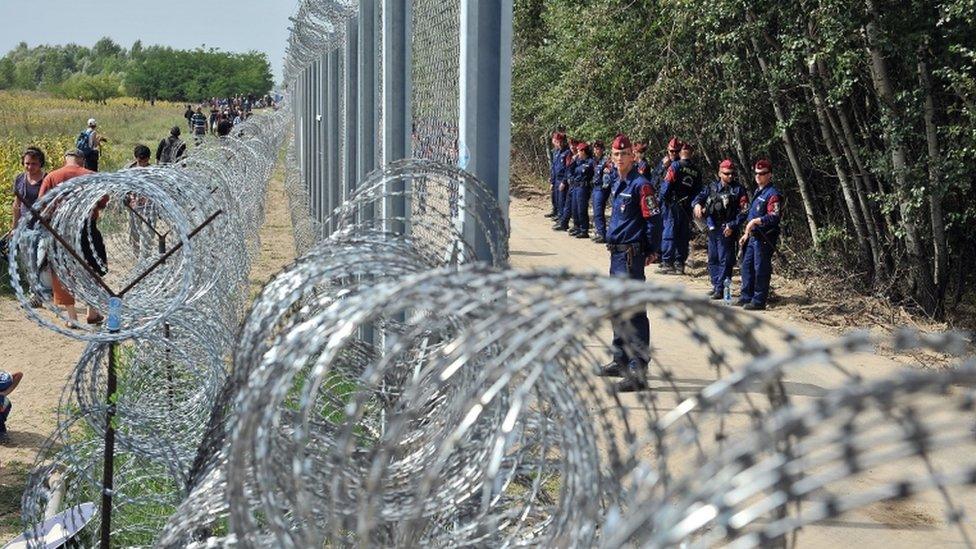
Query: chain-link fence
(378,81)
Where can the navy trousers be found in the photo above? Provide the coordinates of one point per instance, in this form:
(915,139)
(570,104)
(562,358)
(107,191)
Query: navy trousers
(600,210)
(566,212)
(581,204)
(631,336)
(554,197)
(757,268)
(676,236)
(721,258)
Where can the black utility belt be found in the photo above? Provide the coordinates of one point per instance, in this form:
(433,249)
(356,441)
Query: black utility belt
(624,247)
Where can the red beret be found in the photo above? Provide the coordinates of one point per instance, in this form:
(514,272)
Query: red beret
(726,165)
(764,166)
(598,144)
(640,147)
(674,144)
(582,145)
(685,146)
(621,142)
(559,136)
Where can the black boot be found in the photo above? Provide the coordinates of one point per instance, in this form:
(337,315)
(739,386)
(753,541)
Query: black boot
(599,239)
(631,384)
(551,215)
(582,234)
(611,370)
(560,227)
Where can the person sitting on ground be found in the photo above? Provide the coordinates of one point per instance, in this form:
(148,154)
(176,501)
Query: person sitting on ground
(8,382)
(171,149)
(74,167)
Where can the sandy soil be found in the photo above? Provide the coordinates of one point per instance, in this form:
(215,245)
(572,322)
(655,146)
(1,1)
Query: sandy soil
(912,523)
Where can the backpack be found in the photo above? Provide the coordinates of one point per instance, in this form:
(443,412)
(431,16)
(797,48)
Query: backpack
(171,151)
(83,143)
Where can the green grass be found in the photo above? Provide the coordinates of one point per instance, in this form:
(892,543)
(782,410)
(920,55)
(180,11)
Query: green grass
(13,478)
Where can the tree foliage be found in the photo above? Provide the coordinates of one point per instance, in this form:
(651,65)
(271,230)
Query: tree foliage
(874,100)
(154,72)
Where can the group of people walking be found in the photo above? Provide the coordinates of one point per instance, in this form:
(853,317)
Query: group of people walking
(651,211)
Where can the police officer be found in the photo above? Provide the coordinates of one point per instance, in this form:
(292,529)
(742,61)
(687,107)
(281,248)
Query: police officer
(603,177)
(565,211)
(580,183)
(759,239)
(657,178)
(643,168)
(723,204)
(557,171)
(632,241)
(680,185)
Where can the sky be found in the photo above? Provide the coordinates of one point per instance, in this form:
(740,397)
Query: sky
(228,25)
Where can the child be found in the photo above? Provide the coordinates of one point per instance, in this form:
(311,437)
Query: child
(8,382)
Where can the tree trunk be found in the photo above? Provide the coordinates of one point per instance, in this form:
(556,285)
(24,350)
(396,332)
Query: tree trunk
(939,243)
(805,194)
(740,149)
(853,209)
(924,285)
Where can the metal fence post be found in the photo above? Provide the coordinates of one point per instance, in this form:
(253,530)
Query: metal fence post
(366,91)
(350,91)
(334,85)
(485,103)
(396,99)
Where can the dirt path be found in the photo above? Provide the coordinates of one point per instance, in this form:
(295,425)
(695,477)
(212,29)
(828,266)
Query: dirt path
(914,523)
(47,360)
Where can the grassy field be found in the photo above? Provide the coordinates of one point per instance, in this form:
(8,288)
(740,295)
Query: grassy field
(51,123)
(29,118)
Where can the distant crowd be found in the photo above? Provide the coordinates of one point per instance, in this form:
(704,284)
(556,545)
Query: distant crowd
(218,116)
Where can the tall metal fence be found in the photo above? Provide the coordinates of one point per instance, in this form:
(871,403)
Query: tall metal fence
(376,81)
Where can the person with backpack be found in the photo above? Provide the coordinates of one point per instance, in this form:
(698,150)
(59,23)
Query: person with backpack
(89,143)
(171,149)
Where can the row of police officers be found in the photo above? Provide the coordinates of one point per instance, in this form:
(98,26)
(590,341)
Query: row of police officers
(651,211)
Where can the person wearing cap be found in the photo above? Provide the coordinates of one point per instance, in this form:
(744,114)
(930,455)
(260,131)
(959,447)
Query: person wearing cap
(8,382)
(74,161)
(557,171)
(680,185)
(171,149)
(759,239)
(94,145)
(723,204)
(600,189)
(643,168)
(661,169)
(632,239)
(580,178)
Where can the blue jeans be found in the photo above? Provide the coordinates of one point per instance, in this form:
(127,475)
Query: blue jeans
(757,268)
(631,336)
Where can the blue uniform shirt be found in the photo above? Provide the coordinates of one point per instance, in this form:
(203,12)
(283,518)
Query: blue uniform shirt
(766,205)
(680,184)
(580,171)
(636,215)
(557,171)
(598,171)
(735,210)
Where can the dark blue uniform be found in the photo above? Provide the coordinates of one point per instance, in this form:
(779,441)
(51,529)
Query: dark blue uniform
(678,187)
(603,178)
(725,207)
(580,179)
(631,236)
(557,174)
(757,261)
